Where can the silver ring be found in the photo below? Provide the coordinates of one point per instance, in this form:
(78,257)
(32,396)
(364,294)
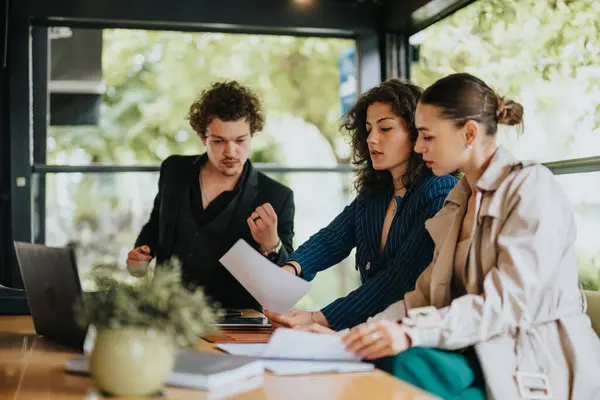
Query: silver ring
(375,336)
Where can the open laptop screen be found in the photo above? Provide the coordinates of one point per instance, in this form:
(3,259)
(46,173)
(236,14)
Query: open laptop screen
(52,285)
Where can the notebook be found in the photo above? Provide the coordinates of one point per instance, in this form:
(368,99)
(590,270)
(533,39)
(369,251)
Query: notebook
(196,369)
(291,344)
(294,366)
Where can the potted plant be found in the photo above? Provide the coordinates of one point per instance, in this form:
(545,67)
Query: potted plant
(139,324)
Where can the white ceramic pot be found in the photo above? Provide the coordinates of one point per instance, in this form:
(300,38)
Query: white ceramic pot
(132,361)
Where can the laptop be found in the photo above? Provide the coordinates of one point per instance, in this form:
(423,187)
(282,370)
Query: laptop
(52,285)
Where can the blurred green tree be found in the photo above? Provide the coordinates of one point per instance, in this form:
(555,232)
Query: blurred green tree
(516,43)
(153,76)
(530,50)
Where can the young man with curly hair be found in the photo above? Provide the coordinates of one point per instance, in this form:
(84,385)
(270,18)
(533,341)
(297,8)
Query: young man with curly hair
(206,203)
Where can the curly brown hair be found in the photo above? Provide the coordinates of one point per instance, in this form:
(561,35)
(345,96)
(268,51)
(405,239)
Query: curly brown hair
(228,101)
(403,97)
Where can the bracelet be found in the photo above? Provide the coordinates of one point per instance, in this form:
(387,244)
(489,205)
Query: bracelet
(293,266)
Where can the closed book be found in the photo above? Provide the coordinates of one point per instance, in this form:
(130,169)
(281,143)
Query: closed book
(197,369)
(205,370)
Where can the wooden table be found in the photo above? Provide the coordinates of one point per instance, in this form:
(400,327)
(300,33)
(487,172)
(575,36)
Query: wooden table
(33,368)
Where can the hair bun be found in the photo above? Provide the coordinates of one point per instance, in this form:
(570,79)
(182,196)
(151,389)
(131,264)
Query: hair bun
(509,112)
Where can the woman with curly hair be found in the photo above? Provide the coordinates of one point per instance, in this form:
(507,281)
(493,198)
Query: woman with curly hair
(397,193)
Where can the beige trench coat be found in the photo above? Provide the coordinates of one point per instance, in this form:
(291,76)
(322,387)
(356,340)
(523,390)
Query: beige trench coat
(523,311)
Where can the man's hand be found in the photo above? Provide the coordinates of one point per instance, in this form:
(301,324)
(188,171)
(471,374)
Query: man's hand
(138,259)
(294,318)
(263,226)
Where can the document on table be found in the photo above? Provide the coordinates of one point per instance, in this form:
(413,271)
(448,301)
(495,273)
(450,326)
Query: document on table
(296,367)
(291,352)
(291,344)
(272,287)
(243,349)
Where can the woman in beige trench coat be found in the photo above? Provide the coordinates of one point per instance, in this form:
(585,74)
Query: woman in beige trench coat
(503,284)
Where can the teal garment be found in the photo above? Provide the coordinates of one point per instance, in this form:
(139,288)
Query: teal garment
(447,374)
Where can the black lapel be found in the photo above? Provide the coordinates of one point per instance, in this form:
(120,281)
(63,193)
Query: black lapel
(373,222)
(394,238)
(175,186)
(174,191)
(245,203)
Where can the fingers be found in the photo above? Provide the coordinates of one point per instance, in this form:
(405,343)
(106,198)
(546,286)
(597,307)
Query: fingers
(252,224)
(376,340)
(355,334)
(257,228)
(361,337)
(309,328)
(262,224)
(256,222)
(270,211)
(374,348)
(145,249)
(277,320)
(315,328)
(263,221)
(264,216)
(138,255)
(264,213)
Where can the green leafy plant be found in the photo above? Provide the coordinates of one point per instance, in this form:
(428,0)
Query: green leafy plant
(157,301)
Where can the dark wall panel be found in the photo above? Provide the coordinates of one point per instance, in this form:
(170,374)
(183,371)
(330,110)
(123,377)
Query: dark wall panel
(20,135)
(411,16)
(326,16)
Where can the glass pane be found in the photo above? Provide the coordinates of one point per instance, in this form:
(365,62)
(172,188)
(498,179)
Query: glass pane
(584,192)
(121,96)
(103,213)
(319,198)
(543,55)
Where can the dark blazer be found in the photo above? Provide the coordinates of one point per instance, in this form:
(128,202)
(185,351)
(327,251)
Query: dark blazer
(175,174)
(387,275)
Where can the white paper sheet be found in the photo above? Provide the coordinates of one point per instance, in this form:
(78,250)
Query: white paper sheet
(291,352)
(273,288)
(300,345)
(290,344)
(243,349)
(294,367)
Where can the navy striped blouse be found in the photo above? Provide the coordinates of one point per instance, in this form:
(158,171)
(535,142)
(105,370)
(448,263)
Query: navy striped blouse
(385,276)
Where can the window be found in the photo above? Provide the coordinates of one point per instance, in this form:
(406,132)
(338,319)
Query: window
(544,55)
(101,215)
(584,192)
(146,80)
(117,105)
